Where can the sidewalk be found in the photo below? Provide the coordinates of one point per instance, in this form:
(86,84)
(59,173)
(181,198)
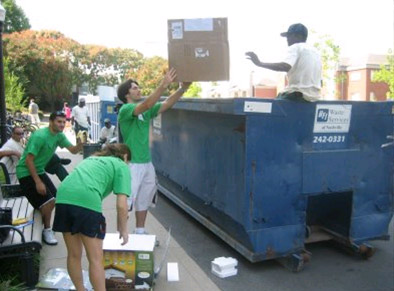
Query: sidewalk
(190,275)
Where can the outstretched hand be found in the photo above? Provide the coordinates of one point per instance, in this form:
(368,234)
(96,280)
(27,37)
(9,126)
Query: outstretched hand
(169,77)
(125,236)
(253,57)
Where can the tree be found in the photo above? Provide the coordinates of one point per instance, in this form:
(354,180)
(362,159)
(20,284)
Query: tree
(150,74)
(329,52)
(13,89)
(386,74)
(15,19)
(41,55)
(193,91)
(53,64)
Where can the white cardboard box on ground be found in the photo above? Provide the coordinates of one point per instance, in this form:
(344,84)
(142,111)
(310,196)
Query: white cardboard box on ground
(223,263)
(172,272)
(133,260)
(224,267)
(226,273)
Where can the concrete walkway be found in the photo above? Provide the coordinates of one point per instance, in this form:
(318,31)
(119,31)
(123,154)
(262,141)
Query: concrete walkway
(192,277)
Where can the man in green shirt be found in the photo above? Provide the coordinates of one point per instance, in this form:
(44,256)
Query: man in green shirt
(35,184)
(134,122)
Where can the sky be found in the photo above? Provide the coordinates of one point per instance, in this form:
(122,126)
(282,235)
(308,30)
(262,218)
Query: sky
(359,27)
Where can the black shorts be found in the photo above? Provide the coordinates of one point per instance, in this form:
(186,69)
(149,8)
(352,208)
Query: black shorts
(76,219)
(28,187)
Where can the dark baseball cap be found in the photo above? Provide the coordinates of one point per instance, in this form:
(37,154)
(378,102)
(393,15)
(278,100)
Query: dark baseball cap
(296,28)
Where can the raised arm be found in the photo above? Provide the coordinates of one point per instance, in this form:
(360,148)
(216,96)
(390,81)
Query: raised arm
(170,101)
(279,67)
(155,96)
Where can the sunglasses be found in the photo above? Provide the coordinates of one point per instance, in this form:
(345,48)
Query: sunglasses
(59,114)
(19,133)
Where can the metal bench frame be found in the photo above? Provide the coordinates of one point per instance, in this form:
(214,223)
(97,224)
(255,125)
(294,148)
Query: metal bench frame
(22,242)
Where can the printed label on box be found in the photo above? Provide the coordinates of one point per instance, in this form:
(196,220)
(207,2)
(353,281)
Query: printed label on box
(200,52)
(177,30)
(200,24)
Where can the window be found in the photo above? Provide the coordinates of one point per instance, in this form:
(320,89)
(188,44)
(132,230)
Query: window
(372,96)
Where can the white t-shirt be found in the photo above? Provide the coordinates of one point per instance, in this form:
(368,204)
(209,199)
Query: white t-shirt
(108,133)
(80,115)
(11,161)
(306,71)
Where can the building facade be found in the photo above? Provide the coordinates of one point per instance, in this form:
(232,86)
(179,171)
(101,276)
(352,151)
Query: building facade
(355,79)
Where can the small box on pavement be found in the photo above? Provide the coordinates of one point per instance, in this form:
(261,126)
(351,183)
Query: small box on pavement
(224,267)
(132,263)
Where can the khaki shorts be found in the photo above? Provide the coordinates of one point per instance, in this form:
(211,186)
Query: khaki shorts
(143,186)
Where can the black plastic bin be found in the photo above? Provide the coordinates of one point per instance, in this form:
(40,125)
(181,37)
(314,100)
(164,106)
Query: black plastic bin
(89,149)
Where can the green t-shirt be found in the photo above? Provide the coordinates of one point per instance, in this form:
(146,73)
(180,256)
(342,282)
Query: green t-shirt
(135,131)
(42,144)
(93,180)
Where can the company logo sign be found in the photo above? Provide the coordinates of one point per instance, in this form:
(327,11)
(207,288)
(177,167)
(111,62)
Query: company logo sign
(332,118)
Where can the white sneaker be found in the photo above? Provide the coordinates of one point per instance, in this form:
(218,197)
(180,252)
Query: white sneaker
(48,237)
(157,242)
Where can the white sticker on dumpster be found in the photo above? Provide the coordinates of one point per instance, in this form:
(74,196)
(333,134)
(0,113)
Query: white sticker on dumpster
(332,118)
(260,107)
(157,125)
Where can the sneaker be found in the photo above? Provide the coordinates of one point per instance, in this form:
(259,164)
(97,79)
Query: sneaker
(157,242)
(48,236)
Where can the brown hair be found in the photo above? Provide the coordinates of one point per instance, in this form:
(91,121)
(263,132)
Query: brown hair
(124,88)
(114,150)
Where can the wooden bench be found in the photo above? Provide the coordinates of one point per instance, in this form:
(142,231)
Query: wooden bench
(24,241)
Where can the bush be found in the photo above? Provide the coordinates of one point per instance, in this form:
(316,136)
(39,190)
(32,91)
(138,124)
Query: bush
(14,90)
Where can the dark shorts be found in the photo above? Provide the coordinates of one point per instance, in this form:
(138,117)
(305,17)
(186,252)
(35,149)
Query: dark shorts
(77,127)
(292,96)
(28,187)
(76,219)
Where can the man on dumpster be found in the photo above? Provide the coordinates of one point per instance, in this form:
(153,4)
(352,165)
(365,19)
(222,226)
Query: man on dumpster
(134,121)
(302,64)
(35,184)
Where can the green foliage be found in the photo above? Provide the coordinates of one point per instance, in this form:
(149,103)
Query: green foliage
(15,18)
(193,91)
(9,285)
(53,63)
(386,74)
(10,279)
(14,90)
(329,52)
(150,74)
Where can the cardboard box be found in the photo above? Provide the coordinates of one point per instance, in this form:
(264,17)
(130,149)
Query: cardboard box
(134,261)
(198,49)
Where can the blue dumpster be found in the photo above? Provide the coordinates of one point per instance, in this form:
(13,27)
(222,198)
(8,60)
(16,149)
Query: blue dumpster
(264,175)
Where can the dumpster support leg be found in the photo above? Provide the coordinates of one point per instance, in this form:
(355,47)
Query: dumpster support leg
(295,262)
(365,250)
